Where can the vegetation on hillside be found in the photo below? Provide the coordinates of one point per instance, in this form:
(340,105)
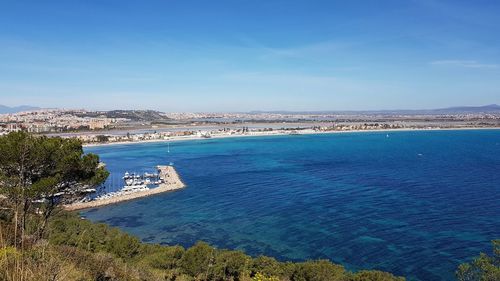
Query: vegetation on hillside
(482,268)
(76,249)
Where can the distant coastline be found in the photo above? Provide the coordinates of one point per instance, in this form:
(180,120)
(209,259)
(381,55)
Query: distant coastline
(283,133)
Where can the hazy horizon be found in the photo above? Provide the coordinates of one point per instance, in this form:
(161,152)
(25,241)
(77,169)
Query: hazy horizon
(240,56)
(496,106)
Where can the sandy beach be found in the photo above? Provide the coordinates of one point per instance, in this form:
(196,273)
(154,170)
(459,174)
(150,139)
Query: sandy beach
(283,133)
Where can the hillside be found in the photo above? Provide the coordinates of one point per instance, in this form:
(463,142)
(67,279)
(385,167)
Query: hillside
(492,108)
(6,109)
(133,115)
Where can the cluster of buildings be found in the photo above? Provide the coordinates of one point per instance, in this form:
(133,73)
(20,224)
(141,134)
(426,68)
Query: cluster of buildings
(362,126)
(243,116)
(99,138)
(276,116)
(221,132)
(54,120)
(81,121)
(135,137)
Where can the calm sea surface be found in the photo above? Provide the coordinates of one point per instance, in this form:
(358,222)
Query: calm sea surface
(412,203)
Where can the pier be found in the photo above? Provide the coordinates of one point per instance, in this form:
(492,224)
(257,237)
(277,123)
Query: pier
(171,182)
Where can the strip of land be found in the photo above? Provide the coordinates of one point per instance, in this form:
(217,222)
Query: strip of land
(282,133)
(172,182)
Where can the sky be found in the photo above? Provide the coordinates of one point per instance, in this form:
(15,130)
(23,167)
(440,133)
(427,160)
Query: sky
(244,55)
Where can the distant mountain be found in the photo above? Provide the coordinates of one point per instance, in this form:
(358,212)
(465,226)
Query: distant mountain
(491,108)
(6,109)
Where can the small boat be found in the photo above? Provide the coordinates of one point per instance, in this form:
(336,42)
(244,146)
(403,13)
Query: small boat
(150,175)
(127,176)
(134,188)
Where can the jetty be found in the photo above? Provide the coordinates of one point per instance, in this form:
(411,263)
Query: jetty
(170,181)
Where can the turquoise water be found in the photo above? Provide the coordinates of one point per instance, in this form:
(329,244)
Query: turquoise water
(414,203)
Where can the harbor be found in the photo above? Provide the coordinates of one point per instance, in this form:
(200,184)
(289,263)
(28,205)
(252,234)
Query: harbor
(137,186)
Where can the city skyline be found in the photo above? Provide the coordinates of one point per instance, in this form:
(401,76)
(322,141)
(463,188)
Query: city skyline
(241,56)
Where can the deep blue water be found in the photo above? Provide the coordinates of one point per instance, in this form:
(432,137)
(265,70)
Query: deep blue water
(414,203)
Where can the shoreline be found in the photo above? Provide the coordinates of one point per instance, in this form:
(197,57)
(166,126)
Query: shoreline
(282,133)
(174,183)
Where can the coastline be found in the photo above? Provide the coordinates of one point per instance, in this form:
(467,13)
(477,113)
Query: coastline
(173,183)
(283,133)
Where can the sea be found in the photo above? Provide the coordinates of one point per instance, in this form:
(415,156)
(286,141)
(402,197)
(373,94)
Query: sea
(414,203)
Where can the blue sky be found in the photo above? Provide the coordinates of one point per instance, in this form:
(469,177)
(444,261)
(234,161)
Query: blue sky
(245,55)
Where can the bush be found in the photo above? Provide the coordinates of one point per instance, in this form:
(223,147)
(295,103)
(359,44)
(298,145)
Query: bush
(198,259)
(161,257)
(267,266)
(68,229)
(231,265)
(321,270)
(483,268)
(374,275)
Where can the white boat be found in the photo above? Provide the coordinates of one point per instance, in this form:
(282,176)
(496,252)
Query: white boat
(134,188)
(150,175)
(127,176)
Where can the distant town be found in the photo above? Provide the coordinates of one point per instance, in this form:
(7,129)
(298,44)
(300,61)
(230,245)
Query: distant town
(148,125)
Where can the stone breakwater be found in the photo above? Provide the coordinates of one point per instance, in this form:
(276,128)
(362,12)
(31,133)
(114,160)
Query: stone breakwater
(172,182)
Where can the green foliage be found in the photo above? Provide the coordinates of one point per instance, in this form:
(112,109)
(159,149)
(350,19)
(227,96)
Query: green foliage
(198,259)
(483,268)
(67,229)
(37,173)
(374,275)
(49,262)
(38,166)
(267,266)
(321,270)
(261,277)
(231,265)
(162,257)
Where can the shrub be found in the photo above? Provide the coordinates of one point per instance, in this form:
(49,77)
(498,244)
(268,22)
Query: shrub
(321,270)
(198,259)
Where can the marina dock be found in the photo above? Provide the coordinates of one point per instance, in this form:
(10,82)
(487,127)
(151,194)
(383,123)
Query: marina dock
(171,182)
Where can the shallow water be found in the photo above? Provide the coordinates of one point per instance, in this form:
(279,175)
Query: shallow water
(414,203)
